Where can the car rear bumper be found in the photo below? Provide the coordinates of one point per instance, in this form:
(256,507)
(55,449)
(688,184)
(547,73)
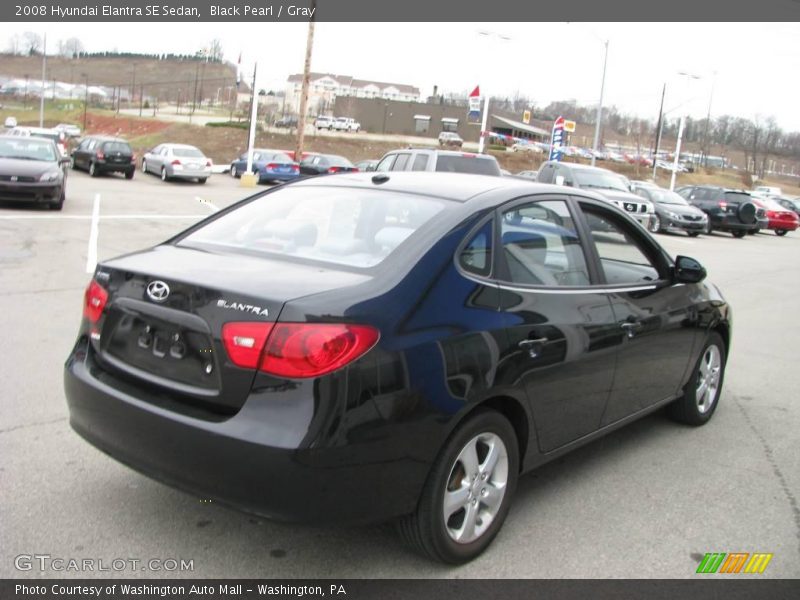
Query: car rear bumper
(783,225)
(266,176)
(191,173)
(229,461)
(732,223)
(107,167)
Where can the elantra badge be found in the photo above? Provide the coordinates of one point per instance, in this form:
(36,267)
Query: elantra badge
(256,310)
(157,291)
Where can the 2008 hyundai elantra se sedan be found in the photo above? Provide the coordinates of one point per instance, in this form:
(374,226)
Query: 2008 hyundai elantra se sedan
(402,346)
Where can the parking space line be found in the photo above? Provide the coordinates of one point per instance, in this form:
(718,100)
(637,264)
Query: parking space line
(91,254)
(210,205)
(101,217)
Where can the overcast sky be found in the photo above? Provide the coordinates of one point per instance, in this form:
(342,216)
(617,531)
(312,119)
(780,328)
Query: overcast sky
(752,67)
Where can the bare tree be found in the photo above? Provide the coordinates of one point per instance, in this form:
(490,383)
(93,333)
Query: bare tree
(14,44)
(32,43)
(73,48)
(215,50)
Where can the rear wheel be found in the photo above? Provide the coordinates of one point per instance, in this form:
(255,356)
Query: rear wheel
(201,179)
(702,391)
(754,231)
(164,174)
(129,174)
(693,233)
(93,172)
(739,233)
(781,231)
(468,492)
(234,171)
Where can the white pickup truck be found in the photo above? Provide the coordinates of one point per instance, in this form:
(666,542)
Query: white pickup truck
(346,124)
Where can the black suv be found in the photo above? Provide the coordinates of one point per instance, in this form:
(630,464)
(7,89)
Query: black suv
(443,161)
(608,184)
(728,210)
(100,154)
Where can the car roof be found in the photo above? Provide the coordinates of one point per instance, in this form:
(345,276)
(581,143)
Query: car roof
(106,138)
(445,152)
(458,187)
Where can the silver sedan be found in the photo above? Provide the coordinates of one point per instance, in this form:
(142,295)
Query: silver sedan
(177,161)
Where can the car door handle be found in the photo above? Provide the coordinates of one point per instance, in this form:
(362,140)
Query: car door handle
(533,347)
(631,328)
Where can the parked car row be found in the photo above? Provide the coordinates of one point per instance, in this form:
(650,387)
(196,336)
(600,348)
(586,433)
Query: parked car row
(337,124)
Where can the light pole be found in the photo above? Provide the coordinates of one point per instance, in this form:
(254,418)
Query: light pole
(660,126)
(85,98)
(485,115)
(600,108)
(706,145)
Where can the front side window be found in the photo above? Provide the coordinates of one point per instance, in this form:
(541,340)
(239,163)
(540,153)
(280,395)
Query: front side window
(401,161)
(337,226)
(386,163)
(541,245)
(624,256)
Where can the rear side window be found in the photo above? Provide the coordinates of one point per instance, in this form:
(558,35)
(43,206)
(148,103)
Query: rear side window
(420,162)
(450,163)
(339,226)
(476,257)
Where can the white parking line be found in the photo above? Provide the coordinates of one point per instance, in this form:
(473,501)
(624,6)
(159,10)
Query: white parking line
(91,253)
(210,205)
(100,218)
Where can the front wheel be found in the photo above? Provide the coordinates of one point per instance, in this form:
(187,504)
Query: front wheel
(468,492)
(781,231)
(144,166)
(164,174)
(655,224)
(702,391)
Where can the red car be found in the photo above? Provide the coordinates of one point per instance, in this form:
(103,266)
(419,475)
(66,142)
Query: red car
(781,219)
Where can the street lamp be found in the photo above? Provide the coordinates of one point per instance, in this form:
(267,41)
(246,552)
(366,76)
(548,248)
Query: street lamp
(485,116)
(85,98)
(680,135)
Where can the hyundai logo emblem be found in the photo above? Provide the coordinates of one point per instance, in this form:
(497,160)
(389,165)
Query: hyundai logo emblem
(158,291)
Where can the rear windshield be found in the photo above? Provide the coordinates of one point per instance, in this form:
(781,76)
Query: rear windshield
(450,163)
(340,226)
(187,152)
(117,147)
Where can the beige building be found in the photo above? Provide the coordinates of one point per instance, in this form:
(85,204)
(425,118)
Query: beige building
(324,88)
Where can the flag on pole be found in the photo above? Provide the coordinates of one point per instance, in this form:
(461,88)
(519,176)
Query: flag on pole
(474,114)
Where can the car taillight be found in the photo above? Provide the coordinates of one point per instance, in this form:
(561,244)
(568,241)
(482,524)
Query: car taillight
(244,342)
(100,155)
(299,350)
(295,168)
(771,214)
(333,170)
(175,162)
(94,301)
(272,166)
(354,170)
(723,205)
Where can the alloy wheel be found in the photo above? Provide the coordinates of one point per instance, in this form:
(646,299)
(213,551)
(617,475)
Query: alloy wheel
(475,488)
(708,377)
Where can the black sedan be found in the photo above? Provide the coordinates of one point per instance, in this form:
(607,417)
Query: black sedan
(322,164)
(390,346)
(672,212)
(32,170)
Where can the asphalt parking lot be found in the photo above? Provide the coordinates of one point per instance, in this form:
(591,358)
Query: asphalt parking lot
(647,501)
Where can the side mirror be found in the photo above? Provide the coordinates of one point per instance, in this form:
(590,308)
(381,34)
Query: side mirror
(688,270)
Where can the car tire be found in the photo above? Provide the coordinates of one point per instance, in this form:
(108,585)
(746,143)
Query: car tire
(753,231)
(129,174)
(164,174)
(59,204)
(93,170)
(473,520)
(655,224)
(693,233)
(701,393)
(738,233)
(708,228)
(234,172)
(201,180)
(781,232)
(144,166)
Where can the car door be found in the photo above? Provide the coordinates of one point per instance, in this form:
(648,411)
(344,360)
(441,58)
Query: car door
(562,335)
(81,155)
(152,160)
(658,317)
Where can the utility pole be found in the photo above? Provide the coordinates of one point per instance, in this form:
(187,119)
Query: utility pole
(44,69)
(596,143)
(133,86)
(658,130)
(141,98)
(706,143)
(301,118)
